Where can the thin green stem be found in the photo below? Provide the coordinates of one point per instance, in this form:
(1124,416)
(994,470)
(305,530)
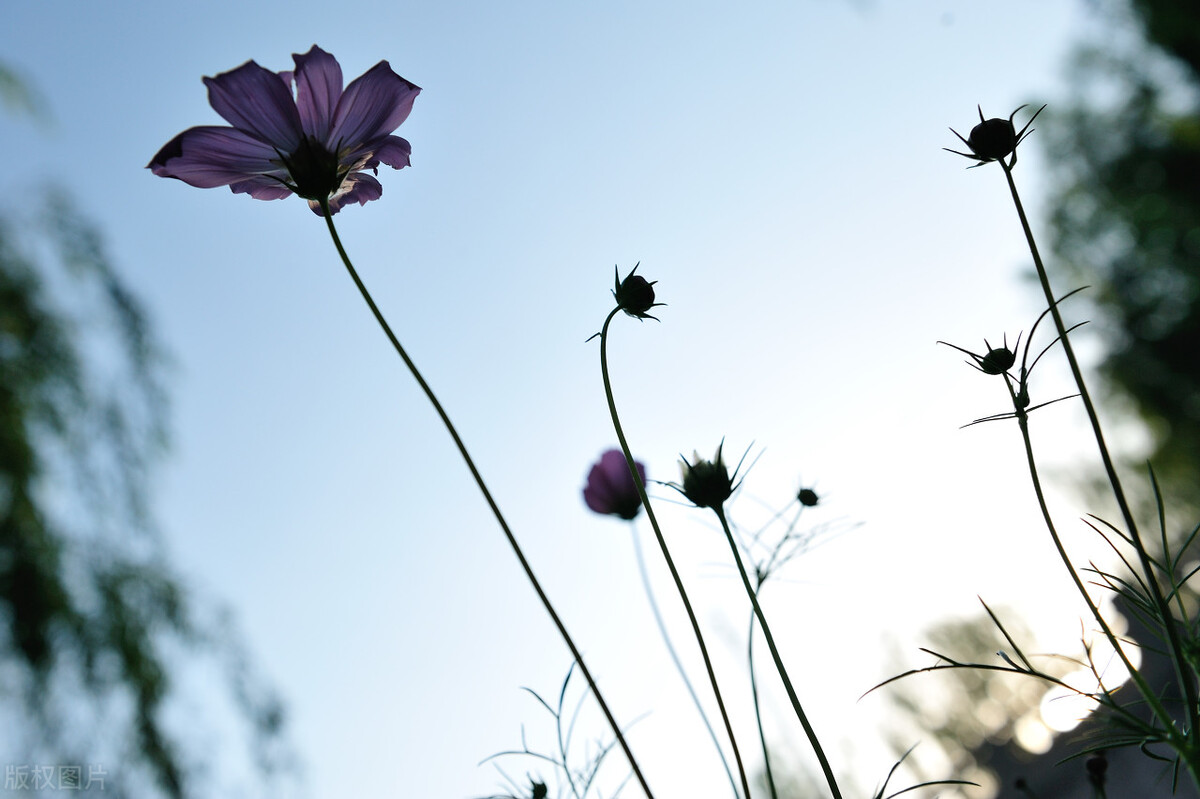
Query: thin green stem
(1023,423)
(487,495)
(762,736)
(666,552)
(783,674)
(769,567)
(1186,684)
(666,637)
(761,575)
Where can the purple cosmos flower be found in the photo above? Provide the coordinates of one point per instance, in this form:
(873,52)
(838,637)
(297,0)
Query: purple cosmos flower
(610,487)
(316,142)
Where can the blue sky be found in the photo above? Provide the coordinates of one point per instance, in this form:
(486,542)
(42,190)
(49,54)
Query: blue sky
(776,168)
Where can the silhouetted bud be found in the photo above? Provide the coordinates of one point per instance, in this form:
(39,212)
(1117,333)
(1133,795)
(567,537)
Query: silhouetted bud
(634,294)
(706,484)
(997,361)
(994,139)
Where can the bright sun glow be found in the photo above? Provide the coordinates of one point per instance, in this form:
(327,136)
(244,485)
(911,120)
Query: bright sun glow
(1063,709)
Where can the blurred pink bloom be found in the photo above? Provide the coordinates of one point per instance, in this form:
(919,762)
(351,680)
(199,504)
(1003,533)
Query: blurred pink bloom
(610,487)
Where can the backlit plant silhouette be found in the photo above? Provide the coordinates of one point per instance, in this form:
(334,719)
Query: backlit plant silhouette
(1153,584)
(301,132)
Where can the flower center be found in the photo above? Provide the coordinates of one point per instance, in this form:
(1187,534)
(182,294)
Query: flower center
(315,172)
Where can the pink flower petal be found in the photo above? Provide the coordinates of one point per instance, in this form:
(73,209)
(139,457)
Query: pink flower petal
(395,152)
(357,188)
(372,106)
(210,156)
(391,150)
(261,187)
(610,488)
(318,87)
(256,101)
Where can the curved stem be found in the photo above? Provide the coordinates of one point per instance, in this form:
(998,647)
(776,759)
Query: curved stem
(487,495)
(1186,684)
(783,674)
(662,544)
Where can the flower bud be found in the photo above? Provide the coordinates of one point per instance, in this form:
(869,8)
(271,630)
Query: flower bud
(997,361)
(634,294)
(993,138)
(706,484)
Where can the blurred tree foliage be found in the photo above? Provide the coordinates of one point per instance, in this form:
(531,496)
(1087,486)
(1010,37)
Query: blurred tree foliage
(93,621)
(1126,216)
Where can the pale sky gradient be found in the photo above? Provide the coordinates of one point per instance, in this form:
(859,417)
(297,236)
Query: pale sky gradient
(776,167)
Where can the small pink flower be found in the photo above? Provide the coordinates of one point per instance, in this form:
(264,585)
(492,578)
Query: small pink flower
(316,141)
(610,487)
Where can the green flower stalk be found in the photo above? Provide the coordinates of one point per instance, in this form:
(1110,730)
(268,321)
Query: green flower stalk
(487,495)
(996,140)
(708,484)
(634,297)
(611,490)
